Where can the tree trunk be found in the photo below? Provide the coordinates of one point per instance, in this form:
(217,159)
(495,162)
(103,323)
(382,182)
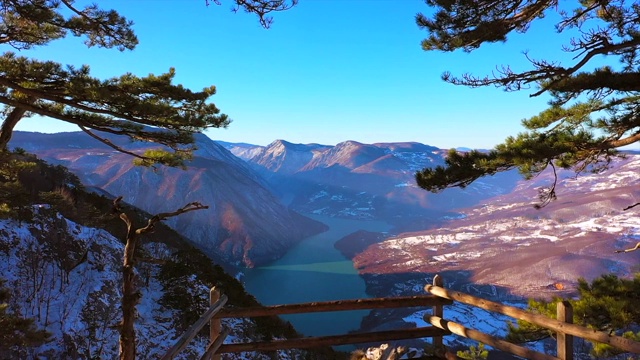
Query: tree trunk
(130,298)
(8,124)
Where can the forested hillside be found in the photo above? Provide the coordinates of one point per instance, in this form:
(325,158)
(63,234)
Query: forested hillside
(245,224)
(61,254)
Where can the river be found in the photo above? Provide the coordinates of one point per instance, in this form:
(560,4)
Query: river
(314,270)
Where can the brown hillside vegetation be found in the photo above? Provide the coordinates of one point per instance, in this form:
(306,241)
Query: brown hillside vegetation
(532,252)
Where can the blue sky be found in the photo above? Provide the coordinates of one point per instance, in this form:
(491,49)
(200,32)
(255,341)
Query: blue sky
(325,72)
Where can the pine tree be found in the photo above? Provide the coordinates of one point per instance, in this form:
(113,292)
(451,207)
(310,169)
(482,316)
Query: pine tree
(150,108)
(594,109)
(474,353)
(608,304)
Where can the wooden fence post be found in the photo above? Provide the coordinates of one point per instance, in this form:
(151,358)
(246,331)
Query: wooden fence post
(565,341)
(215,326)
(438,310)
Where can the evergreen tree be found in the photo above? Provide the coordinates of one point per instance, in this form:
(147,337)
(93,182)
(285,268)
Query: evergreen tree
(474,353)
(149,108)
(607,304)
(262,8)
(593,109)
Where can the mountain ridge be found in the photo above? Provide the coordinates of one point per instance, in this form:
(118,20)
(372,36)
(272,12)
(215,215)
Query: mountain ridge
(362,181)
(246,225)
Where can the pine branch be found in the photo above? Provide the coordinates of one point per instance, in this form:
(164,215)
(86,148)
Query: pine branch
(9,124)
(548,194)
(125,39)
(111,144)
(260,7)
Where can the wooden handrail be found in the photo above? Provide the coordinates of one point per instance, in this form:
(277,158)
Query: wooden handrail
(497,343)
(340,305)
(313,342)
(193,330)
(215,325)
(214,346)
(438,341)
(552,324)
(441,327)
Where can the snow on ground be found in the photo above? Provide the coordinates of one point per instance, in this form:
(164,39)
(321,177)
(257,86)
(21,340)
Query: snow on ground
(471,317)
(67,277)
(511,244)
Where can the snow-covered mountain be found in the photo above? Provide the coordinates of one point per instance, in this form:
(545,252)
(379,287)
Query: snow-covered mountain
(246,224)
(363,181)
(535,253)
(506,250)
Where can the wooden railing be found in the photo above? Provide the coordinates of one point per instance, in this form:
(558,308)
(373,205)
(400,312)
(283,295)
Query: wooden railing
(440,296)
(341,305)
(216,302)
(563,326)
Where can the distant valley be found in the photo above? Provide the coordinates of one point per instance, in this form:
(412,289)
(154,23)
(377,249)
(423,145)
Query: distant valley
(246,224)
(486,239)
(257,203)
(259,197)
(364,181)
(506,242)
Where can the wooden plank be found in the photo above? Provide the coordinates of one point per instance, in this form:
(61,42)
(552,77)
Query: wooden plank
(193,330)
(564,313)
(313,342)
(214,346)
(215,326)
(619,342)
(488,339)
(340,305)
(438,310)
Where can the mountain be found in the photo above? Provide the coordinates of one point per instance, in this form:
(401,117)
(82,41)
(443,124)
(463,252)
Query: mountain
(280,156)
(246,224)
(506,250)
(364,181)
(508,243)
(67,278)
(61,254)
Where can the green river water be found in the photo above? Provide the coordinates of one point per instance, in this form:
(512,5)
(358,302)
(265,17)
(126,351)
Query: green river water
(314,270)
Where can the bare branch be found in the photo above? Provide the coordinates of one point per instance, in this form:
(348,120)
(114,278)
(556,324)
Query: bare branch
(117,208)
(629,250)
(548,194)
(631,206)
(163,216)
